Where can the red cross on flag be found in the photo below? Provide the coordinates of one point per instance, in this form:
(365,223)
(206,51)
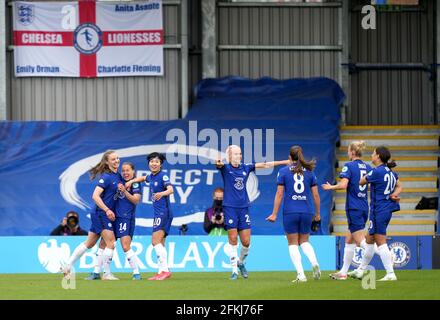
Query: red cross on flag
(88,39)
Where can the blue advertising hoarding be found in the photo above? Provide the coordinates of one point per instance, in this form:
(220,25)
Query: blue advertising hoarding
(410,252)
(185,254)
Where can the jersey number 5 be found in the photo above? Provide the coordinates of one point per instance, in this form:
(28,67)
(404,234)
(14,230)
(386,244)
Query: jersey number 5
(363,173)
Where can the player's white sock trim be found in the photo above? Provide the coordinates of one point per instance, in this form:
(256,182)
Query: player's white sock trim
(309,252)
(162,257)
(131,258)
(364,244)
(157,249)
(295,256)
(348,257)
(368,255)
(99,260)
(385,256)
(233,257)
(243,253)
(165,260)
(77,253)
(107,257)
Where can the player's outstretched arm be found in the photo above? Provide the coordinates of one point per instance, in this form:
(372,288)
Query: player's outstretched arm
(271,164)
(219,163)
(341,185)
(317,202)
(276,204)
(135,180)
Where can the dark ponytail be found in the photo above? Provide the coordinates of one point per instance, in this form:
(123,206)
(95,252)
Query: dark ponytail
(299,162)
(385,156)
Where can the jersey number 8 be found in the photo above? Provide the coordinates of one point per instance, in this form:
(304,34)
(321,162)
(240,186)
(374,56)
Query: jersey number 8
(298,185)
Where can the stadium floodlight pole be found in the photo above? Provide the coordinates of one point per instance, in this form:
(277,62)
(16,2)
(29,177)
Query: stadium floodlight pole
(209,39)
(437,31)
(184,56)
(344,41)
(437,37)
(3,60)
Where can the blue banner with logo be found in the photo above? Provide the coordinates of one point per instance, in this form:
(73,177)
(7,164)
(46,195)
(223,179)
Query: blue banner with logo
(411,252)
(185,253)
(44,165)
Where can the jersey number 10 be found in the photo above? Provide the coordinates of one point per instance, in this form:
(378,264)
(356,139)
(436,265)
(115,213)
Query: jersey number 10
(157,222)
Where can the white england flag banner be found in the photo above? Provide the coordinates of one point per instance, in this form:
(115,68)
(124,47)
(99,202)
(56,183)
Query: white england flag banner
(88,39)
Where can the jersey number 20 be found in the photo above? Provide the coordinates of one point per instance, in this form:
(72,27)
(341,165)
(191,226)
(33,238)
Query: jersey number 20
(391,181)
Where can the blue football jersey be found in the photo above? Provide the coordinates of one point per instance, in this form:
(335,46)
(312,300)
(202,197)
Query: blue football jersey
(124,207)
(235,179)
(382,184)
(158,182)
(357,197)
(109,182)
(297,190)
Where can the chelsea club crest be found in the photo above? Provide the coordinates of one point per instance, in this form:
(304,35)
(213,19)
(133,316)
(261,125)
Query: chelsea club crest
(87,38)
(357,257)
(400,253)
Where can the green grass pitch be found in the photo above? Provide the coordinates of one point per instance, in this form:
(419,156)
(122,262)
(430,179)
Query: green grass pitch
(411,284)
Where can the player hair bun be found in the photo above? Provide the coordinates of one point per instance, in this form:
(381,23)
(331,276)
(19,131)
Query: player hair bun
(362,145)
(391,164)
